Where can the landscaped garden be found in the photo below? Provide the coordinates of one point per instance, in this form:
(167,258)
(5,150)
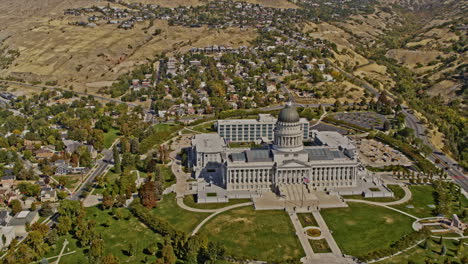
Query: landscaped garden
(421,201)
(158,134)
(419,254)
(320,246)
(179,218)
(260,235)
(313,232)
(189,200)
(307,219)
(363,228)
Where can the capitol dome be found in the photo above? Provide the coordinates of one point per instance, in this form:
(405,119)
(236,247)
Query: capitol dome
(288,115)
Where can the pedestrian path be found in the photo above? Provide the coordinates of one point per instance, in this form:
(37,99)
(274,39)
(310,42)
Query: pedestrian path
(301,234)
(326,233)
(218,211)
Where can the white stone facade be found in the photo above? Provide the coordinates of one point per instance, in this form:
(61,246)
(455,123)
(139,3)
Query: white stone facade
(285,162)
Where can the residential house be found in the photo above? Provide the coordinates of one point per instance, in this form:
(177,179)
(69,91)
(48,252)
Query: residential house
(8,234)
(20,219)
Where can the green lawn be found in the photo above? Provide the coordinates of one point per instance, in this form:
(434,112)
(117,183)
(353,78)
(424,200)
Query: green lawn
(422,197)
(259,235)
(189,200)
(167,175)
(110,136)
(120,233)
(205,128)
(397,191)
(78,257)
(363,228)
(116,237)
(419,254)
(179,218)
(160,134)
(111,177)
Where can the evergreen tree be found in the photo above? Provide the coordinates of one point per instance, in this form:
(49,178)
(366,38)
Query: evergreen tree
(117,164)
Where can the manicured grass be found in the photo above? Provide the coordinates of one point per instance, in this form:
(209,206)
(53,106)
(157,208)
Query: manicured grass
(259,235)
(397,191)
(179,218)
(79,257)
(363,228)
(189,200)
(205,128)
(117,238)
(111,177)
(422,196)
(110,136)
(320,246)
(167,175)
(71,180)
(419,254)
(121,233)
(307,219)
(160,134)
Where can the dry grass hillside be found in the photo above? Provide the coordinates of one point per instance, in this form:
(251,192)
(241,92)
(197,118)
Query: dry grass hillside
(51,49)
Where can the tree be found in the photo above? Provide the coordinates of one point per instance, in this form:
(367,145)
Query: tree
(426,244)
(134,146)
(117,164)
(386,125)
(107,201)
(36,242)
(168,255)
(132,249)
(443,251)
(110,259)
(16,206)
(64,225)
(96,250)
(46,209)
(148,194)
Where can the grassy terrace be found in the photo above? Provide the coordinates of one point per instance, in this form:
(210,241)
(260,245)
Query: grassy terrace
(205,128)
(110,136)
(397,191)
(363,228)
(189,200)
(260,235)
(178,217)
(421,199)
(160,133)
(419,254)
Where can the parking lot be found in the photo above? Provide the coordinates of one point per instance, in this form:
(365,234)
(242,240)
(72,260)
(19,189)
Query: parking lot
(376,154)
(368,120)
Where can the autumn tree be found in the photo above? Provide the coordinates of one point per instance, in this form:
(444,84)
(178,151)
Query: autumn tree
(147,194)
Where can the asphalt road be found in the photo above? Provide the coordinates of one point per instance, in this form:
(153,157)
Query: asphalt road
(449,165)
(102,165)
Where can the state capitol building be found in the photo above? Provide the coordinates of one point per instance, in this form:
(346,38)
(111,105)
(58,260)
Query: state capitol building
(328,162)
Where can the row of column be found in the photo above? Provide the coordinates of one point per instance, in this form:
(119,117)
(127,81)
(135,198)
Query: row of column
(249,176)
(290,176)
(333,174)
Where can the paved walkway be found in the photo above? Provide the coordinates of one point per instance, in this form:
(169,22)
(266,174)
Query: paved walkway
(326,233)
(65,243)
(301,234)
(218,211)
(405,199)
(383,205)
(180,203)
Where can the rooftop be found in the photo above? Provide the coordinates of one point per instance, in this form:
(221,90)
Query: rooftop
(209,143)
